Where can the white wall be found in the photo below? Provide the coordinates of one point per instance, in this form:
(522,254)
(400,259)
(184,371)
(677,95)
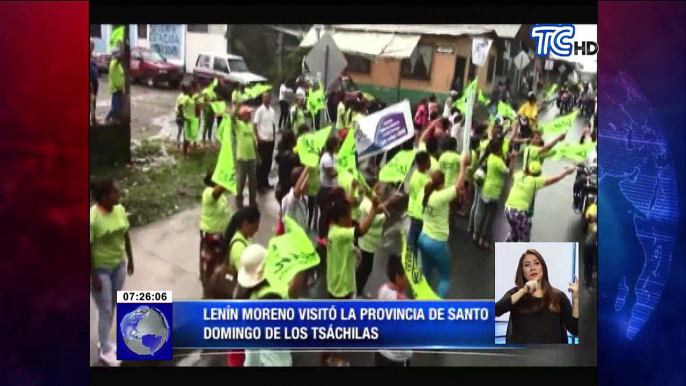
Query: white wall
(561,259)
(213,41)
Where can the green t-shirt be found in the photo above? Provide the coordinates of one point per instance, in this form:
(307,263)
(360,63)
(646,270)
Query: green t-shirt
(434,164)
(417,183)
(495,177)
(245,141)
(313,182)
(340,116)
(237,246)
(298,117)
(218,107)
(340,261)
(107,231)
(449,164)
(187,104)
(116,76)
(523,190)
(236,96)
(436,213)
(214,214)
(370,240)
(533,153)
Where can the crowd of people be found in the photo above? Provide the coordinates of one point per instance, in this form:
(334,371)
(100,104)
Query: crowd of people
(346,215)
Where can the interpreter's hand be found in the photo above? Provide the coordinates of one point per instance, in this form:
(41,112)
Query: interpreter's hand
(574,287)
(531,286)
(97,283)
(129,268)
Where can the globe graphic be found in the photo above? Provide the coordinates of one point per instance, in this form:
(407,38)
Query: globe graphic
(637,184)
(144,330)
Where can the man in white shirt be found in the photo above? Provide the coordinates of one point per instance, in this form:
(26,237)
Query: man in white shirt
(449,104)
(265,125)
(295,203)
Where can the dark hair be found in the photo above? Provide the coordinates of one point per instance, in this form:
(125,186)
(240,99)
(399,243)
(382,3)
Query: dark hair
(431,186)
(433,115)
(288,141)
(449,143)
(339,209)
(551,296)
(432,145)
(295,174)
(480,129)
(101,188)
(432,98)
(445,122)
(474,143)
(249,214)
(331,144)
(423,101)
(208,180)
(422,158)
(495,146)
(223,92)
(454,110)
(302,129)
(394,267)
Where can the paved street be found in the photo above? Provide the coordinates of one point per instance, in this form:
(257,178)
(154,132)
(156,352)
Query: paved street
(166,255)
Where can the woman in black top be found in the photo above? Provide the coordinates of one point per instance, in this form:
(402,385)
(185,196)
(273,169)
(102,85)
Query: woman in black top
(287,160)
(539,313)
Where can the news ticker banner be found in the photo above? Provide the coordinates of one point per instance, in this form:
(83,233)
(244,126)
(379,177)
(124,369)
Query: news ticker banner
(149,324)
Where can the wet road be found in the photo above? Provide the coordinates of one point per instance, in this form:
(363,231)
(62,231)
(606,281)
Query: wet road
(166,256)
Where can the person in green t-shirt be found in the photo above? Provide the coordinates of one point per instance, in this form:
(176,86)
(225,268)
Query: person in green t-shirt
(298,114)
(209,96)
(214,218)
(538,151)
(340,258)
(237,97)
(188,110)
(466,179)
(519,201)
(117,83)
(415,210)
(369,242)
(242,227)
(246,156)
(433,241)
(496,174)
(109,241)
(449,164)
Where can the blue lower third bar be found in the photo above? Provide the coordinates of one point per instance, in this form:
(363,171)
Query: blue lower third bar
(333,324)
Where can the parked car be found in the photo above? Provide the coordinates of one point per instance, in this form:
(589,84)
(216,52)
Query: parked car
(150,67)
(231,68)
(102,61)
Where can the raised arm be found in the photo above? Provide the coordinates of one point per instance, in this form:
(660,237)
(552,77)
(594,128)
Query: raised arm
(299,189)
(552,143)
(513,135)
(551,180)
(217,192)
(367,221)
(464,164)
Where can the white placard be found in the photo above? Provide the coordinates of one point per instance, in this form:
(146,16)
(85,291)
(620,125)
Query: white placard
(480,49)
(144,297)
(384,130)
(549,65)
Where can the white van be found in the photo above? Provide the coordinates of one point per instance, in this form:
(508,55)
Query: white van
(231,68)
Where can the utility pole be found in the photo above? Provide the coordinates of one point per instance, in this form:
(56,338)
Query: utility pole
(126,105)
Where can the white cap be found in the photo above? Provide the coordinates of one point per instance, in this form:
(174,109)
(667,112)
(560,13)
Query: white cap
(252,266)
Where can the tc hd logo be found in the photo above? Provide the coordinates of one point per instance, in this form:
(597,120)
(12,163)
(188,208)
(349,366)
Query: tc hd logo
(555,38)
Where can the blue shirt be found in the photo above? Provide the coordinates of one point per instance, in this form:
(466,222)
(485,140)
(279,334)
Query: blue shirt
(94,75)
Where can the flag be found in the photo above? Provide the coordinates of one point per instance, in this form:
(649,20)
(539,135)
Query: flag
(316,101)
(116,37)
(480,49)
(482,98)
(225,171)
(506,111)
(560,124)
(421,290)
(397,168)
(346,164)
(575,152)
(551,90)
(256,90)
(310,146)
(289,254)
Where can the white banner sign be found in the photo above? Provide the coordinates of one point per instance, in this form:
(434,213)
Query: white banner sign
(467,135)
(480,49)
(384,130)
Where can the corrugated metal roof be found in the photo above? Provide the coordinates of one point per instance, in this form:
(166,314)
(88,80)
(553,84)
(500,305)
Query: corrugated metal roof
(502,30)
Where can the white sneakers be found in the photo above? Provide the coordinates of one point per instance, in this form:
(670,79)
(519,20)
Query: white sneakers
(110,358)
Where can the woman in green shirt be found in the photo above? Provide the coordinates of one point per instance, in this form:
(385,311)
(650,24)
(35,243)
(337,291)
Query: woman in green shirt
(494,182)
(433,241)
(109,240)
(214,218)
(415,210)
(242,227)
(519,201)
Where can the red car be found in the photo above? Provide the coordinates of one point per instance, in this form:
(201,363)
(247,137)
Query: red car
(150,67)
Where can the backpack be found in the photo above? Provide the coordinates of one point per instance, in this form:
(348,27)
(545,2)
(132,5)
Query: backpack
(224,279)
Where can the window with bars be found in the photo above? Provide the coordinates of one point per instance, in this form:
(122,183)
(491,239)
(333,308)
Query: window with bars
(142,31)
(358,64)
(96,31)
(201,28)
(418,66)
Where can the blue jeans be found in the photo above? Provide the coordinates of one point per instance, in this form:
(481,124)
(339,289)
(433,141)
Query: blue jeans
(112,281)
(435,254)
(413,233)
(115,108)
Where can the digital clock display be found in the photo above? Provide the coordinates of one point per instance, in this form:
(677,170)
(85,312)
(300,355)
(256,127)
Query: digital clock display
(144,297)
